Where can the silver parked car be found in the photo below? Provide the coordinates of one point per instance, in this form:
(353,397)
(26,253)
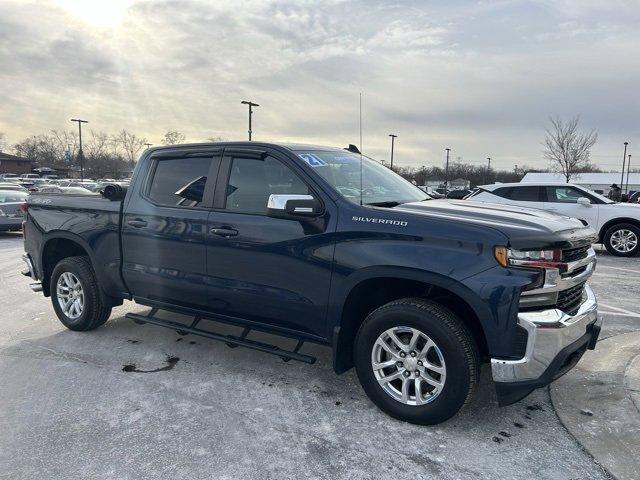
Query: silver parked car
(11,214)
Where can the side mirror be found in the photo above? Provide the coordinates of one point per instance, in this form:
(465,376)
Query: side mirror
(584,201)
(293,206)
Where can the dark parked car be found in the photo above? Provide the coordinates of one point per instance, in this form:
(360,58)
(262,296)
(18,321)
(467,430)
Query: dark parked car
(634,197)
(458,194)
(323,245)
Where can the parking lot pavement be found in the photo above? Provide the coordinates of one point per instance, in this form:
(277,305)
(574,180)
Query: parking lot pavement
(68,410)
(617,286)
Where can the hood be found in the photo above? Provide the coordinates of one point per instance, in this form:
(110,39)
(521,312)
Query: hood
(524,227)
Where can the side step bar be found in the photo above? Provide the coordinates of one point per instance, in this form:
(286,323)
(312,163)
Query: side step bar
(231,340)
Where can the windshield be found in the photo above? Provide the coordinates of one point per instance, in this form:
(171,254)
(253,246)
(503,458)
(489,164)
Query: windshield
(9,196)
(380,186)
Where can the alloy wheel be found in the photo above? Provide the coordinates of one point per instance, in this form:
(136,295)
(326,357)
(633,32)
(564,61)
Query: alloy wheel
(408,365)
(70,295)
(624,240)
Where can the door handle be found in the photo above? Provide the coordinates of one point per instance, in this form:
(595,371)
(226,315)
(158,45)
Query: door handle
(137,223)
(224,232)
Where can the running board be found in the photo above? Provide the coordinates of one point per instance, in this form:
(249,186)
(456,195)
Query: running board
(231,340)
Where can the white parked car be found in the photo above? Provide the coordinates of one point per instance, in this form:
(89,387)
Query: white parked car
(618,224)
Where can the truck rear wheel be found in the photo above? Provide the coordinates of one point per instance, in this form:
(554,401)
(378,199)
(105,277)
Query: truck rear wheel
(622,240)
(75,295)
(416,361)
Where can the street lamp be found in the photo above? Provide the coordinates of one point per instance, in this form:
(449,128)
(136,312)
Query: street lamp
(393,137)
(446,173)
(626,190)
(80,154)
(251,105)
(624,157)
(488,170)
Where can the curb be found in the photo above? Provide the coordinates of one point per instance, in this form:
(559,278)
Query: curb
(597,403)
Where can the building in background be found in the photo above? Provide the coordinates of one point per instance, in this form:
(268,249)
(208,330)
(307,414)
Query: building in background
(598,182)
(14,164)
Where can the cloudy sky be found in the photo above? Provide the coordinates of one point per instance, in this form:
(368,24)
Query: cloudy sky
(480,77)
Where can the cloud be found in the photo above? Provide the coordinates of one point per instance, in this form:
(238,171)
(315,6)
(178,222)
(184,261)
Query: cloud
(479,77)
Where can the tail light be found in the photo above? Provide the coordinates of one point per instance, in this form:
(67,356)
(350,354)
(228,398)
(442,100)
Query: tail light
(24,207)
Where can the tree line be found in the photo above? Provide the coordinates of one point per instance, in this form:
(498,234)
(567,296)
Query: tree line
(104,154)
(565,146)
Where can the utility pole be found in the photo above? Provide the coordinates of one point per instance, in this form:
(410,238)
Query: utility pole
(624,158)
(147,145)
(446,173)
(80,154)
(626,190)
(488,169)
(251,105)
(393,137)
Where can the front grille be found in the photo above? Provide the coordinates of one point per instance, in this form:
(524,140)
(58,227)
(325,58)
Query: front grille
(573,254)
(569,300)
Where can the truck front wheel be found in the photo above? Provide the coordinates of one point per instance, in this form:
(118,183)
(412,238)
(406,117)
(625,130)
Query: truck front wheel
(75,295)
(416,361)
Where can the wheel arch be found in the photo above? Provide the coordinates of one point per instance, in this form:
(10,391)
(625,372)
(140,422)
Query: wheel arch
(380,286)
(59,245)
(615,221)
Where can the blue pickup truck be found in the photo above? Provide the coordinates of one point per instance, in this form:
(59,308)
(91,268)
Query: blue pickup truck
(324,245)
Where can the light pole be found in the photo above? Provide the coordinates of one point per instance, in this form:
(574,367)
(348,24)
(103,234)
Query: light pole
(251,105)
(446,173)
(624,157)
(393,137)
(488,168)
(626,189)
(80,154)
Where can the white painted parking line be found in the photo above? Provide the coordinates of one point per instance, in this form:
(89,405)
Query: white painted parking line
(616,275)
(600,265)
(620,310)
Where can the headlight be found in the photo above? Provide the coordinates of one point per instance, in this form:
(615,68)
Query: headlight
(2,214)
(551,258)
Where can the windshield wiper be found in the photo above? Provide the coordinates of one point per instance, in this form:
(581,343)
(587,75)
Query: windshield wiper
(389,204)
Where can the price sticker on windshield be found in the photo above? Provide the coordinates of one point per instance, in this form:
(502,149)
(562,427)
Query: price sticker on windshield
(312,160)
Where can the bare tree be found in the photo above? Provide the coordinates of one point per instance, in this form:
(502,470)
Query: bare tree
(216,139)
(567,149)
(130,144)
(43,149)
(173,137)
(3,141)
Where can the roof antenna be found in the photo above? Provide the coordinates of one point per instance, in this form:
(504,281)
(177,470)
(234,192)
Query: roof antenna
(360,148)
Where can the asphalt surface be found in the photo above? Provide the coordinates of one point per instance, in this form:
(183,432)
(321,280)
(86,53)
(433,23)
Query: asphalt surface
(193,408)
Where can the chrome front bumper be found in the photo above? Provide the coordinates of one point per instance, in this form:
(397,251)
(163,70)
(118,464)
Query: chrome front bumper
(550,333)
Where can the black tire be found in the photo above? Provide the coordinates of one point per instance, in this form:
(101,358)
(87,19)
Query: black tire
(622,226)
(94,312)
(456,344)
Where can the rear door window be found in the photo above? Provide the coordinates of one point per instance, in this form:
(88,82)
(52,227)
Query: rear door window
(180,182)
(525,194)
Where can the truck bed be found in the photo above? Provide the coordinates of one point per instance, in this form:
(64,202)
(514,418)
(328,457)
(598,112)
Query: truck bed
(91,220)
